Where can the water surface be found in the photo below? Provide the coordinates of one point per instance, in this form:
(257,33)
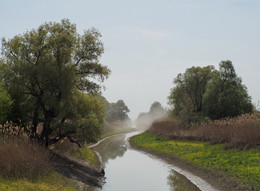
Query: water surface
(130,170)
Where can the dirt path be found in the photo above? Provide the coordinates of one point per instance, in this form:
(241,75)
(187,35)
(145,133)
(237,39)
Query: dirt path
(82,175)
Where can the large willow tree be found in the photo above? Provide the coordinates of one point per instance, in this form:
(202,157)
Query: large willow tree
(47,66)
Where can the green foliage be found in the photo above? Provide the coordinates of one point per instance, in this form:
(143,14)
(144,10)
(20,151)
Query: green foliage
(5,105)
(205,92)
(116,111)
(83,117)
(46,65)
(187,96)
(90,114)
(225,95)
(243,166)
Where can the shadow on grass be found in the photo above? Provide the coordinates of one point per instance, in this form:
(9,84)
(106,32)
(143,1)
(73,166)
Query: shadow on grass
(72,169)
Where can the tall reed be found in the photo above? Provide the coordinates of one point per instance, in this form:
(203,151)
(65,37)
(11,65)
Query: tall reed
(240,132)
(20,156)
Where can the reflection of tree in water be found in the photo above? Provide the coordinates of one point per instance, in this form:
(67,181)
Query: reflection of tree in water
(178,182)
(111,148)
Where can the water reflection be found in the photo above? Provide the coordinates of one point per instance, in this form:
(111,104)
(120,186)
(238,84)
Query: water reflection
(129,170)
(112,148)
(178,182)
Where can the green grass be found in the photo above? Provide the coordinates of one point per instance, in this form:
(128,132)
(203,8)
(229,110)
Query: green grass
(87,154)
(241,165)
(54,182)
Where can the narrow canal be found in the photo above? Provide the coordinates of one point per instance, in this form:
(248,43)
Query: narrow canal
(130,170)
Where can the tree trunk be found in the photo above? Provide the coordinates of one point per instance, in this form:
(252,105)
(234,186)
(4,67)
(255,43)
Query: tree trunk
(35,124)
(44,138)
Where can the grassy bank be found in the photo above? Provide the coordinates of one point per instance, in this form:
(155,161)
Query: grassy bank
(27,166)
(53,181)
(88,155)
(243,166)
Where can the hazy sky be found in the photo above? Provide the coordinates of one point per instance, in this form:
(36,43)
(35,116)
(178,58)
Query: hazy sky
(148,42)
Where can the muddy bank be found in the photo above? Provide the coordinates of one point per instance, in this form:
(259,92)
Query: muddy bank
(217,180)
(81,175)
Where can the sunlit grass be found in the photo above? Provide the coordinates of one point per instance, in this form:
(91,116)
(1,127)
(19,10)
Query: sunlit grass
(87,154)
(242,165)
(53,181)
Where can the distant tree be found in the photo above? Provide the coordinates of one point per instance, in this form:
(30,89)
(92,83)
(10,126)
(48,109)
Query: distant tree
(144,120)
(156,110)
(117,111)
(226,96)
(122,110)
(46,65)
(187,95)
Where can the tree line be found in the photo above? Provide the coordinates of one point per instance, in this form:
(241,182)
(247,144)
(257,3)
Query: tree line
(204,93)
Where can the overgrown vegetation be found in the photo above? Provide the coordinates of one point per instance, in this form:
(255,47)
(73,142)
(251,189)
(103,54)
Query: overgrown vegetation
(241,166)
(24,164)
(21,156)
(239,132)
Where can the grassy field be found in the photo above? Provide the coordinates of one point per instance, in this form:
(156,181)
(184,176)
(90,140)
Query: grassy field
(26,165)
(242,166)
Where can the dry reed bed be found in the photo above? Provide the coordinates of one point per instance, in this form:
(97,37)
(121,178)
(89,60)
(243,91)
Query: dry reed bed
(239,132)
(20,156)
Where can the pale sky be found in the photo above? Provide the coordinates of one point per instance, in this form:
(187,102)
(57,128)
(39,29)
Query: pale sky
(148,42)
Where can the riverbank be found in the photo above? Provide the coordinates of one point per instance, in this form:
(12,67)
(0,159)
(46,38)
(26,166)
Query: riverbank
(80,166)
(53,181)
(225,169)
(64,166)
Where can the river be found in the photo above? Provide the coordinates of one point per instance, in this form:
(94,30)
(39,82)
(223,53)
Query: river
(127,169)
